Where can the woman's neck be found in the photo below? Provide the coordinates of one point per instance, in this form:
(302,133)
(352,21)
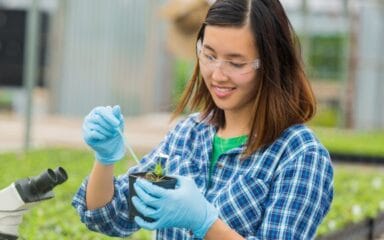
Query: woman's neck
(236,124)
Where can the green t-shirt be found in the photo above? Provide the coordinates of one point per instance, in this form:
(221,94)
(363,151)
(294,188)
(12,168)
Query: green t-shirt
(222,145)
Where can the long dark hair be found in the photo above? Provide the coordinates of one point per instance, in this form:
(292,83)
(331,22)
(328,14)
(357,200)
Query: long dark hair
(283,94)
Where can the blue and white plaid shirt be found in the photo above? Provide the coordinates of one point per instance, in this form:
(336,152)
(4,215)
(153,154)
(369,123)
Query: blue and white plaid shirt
(281,192)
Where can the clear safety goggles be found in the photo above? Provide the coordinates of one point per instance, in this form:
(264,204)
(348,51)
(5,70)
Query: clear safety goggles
(228,67)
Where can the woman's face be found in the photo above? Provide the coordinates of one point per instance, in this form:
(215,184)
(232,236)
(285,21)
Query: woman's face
(231,83)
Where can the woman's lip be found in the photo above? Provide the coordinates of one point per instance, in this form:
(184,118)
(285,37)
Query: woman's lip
(223,91)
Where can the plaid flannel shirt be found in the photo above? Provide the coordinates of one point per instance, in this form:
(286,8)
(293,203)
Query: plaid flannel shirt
(280,192)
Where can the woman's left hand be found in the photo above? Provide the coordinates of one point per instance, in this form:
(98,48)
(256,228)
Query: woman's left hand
(183,207)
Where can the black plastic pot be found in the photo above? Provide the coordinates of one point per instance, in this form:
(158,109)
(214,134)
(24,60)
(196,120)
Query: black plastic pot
(378,226)
(166,182)
(355,231)
(357,158)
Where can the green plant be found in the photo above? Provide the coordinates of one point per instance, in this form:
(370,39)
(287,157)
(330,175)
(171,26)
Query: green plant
(182,71)
(351,141)
(5,100)
(157,174)
(327,55)
(358,195)
(326,117)
(358,189)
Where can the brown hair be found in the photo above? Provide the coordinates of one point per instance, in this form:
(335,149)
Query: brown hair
(283,95)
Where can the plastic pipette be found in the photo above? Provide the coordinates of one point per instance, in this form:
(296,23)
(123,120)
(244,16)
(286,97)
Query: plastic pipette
(127,146)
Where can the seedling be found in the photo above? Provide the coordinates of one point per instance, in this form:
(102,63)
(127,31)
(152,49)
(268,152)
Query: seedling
(157,174)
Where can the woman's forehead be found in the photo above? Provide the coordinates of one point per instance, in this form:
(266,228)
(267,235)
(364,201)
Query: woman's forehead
(226,40)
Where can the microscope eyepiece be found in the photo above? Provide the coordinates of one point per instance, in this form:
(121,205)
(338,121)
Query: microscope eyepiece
(61,175)
(45,181)
(38,187)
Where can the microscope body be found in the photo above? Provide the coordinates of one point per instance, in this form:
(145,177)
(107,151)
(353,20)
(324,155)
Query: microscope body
(20,196)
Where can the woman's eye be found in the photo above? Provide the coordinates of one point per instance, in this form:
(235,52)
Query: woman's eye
(209,57)
(237,65)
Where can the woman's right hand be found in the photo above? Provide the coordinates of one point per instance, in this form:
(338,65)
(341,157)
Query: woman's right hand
(102,131)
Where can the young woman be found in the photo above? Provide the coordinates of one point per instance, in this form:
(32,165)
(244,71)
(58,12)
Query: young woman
(247,167)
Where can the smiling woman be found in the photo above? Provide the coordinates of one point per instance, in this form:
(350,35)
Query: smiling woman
(230,81)
(246,165)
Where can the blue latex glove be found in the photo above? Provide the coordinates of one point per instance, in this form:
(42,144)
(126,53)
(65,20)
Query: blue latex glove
(102,129)
(183,207)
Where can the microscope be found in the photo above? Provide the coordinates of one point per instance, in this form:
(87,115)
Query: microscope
(23,194)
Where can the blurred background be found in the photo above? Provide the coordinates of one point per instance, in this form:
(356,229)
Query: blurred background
(139,54)
(59,59)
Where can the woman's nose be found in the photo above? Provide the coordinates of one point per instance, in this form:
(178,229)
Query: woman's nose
(218,73)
